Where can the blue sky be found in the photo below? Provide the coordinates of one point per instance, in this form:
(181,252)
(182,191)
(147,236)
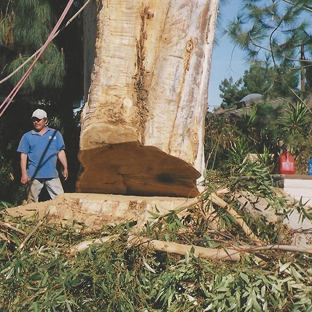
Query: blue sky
(227,61)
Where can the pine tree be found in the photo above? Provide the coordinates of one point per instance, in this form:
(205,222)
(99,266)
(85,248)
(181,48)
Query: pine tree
(25,26)
(275,32)
(259,78)
(231,92)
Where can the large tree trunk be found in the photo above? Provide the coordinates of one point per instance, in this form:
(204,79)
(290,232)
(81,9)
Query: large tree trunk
(143,122)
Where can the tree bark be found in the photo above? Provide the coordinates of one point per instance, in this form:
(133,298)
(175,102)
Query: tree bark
(142,127)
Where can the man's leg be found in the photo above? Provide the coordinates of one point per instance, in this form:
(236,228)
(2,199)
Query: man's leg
(54,187)
(33,190)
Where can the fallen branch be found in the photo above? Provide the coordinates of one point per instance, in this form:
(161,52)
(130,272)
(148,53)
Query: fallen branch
(171,247)
(229,254)
(3,237)
(192,202)
(30,254)
(29,236)
(11,227)
(233,253)
(84,245)
(223,204)
(276,247)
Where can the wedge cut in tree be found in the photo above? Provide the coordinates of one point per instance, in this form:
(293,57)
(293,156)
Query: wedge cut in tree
(147,68)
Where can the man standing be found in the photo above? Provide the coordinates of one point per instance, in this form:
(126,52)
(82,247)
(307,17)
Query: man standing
(40,148)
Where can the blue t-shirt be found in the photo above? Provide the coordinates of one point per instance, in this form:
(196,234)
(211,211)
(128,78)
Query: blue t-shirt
(42,152)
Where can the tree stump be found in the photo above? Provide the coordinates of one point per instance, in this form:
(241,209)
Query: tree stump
(142,127)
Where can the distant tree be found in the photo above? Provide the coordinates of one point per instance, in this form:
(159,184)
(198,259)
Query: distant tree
(275,32)
(25,27)
(259,78)
(270,81)
(231,92)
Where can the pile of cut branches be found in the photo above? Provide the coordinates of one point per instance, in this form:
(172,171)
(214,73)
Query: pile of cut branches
(212,255)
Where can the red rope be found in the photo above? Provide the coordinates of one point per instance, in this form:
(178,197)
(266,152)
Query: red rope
(12,94)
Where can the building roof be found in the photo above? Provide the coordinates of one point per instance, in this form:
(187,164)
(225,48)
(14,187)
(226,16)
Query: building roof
(241,109)
(251,97)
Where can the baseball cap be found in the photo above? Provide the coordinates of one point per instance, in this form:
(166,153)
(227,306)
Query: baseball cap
(39,113)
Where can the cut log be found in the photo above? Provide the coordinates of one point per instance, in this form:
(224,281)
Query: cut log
(129,168)
(142,128)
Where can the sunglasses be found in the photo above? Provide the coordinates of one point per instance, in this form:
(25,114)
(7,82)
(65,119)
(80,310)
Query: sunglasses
(35,119)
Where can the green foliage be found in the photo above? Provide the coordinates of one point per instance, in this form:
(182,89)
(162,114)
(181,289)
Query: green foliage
(31,33)
(295,133)
(26,25)
(11,191)
(262,130)
(229,140)
(268,81)
(296,121)
(253,177)
(46,74)
(238,151)
(231,93)
(220,132)
(277,34)
(267,129)
(114,276)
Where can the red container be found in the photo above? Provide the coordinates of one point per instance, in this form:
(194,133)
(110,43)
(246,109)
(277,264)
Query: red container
(286,163)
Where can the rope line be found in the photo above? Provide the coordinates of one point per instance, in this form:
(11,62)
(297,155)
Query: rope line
(14,91)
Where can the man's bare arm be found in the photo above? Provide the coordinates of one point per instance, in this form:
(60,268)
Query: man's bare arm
(23,164)
(63,159)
